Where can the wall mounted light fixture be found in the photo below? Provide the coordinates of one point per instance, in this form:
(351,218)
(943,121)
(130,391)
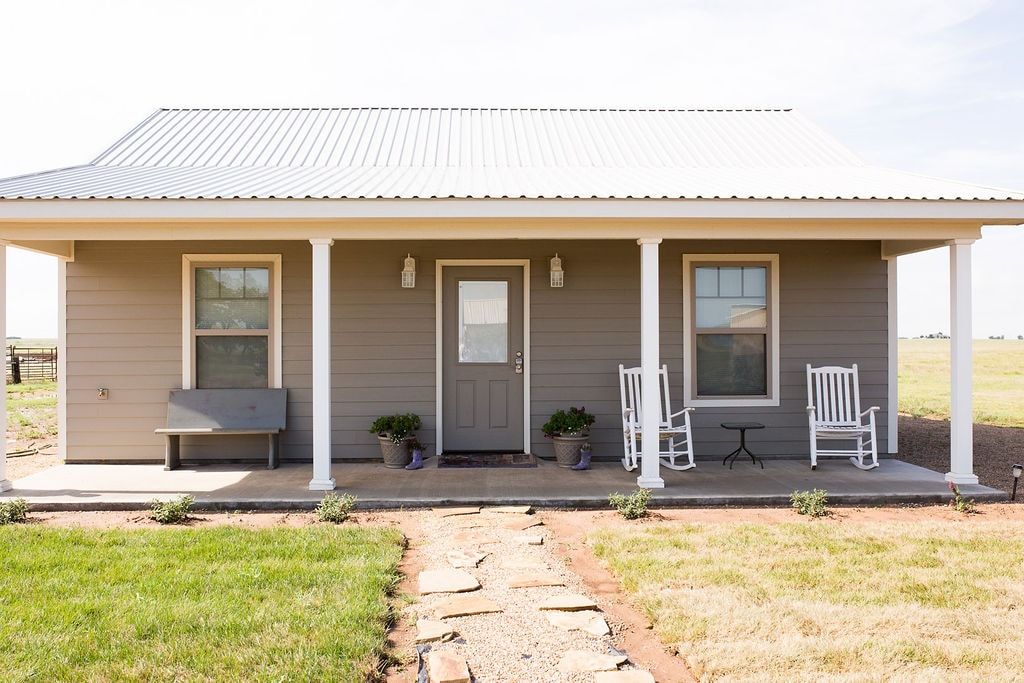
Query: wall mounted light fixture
(557,274)
(409,272)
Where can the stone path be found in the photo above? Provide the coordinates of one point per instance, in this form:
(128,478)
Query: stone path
(497,605)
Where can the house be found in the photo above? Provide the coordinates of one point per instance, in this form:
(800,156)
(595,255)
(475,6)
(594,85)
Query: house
(332,252)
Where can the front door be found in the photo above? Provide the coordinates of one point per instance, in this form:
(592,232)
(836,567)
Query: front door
(482,358)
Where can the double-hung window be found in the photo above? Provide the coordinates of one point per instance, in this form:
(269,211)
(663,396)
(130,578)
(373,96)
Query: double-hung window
(731,347)
(232,323)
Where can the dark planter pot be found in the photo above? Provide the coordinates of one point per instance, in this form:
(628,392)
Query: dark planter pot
(567,449)
(396,455)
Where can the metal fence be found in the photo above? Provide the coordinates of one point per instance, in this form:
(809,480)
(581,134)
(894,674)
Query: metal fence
(26,364)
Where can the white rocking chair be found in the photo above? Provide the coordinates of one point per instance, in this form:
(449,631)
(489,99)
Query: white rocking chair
(678,436)
(833,412)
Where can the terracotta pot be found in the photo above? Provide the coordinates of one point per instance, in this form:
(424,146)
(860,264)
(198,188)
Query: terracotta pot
(396,455)
(567,449)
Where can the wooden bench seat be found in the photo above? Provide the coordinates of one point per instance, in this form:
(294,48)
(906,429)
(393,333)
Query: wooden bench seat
(196,412)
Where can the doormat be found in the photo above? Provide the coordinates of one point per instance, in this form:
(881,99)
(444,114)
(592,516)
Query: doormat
(487,460)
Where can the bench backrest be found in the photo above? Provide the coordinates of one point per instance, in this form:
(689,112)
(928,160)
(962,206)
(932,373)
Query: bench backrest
(227,408)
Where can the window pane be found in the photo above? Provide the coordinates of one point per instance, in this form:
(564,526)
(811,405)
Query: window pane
(737,300)
(483,322)
(232,298)
(231,362)
(732,365)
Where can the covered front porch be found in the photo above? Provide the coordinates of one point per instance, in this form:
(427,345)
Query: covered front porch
(252,487)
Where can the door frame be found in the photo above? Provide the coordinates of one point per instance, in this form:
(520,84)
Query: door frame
(439,266)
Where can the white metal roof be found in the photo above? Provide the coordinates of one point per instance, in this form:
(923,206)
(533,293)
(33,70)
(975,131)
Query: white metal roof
(482,153)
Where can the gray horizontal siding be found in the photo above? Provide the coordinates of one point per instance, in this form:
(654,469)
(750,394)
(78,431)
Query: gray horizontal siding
(124,333)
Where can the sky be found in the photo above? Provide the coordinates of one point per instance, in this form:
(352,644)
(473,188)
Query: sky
(929,86)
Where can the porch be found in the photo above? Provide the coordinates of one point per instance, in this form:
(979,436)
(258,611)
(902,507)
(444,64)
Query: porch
(252,486)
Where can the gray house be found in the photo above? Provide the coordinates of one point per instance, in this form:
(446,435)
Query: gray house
(363,259)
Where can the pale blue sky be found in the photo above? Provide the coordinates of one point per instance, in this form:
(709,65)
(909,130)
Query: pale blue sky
(930,86)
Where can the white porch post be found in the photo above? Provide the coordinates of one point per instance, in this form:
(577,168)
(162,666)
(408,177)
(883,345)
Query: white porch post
(892,435)
(322,479)
(650,361)
(5,483)
(961,423)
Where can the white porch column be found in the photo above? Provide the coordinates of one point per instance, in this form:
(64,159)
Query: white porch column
(322,479)
(5,483)
(650,361)
(961,423)
(892,435)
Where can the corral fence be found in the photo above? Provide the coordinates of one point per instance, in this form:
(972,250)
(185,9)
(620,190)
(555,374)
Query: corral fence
(25,364)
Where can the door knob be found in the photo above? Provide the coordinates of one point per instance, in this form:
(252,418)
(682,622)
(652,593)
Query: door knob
(518,362)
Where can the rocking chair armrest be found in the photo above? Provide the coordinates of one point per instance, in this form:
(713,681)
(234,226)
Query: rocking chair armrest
(628,415)
(681,412)
(872,409)
(811,410)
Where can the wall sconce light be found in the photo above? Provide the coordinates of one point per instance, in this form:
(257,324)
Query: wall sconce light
(1017,469)
(557,274)
(409,272)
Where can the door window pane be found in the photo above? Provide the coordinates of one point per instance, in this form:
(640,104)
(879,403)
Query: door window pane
(231,362)
(483,321)
(732,365)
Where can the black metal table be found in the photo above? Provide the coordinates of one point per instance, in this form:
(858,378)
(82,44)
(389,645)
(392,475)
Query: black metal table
(742,427)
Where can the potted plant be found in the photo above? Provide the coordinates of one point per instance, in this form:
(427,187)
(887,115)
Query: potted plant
(568,429)
(394,432)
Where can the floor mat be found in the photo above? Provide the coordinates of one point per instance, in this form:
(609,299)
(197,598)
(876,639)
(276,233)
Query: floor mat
(487,460)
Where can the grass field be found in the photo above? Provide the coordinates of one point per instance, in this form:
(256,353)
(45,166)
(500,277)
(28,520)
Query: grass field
(182,604)
(827,601)
(998,380)
(32,412)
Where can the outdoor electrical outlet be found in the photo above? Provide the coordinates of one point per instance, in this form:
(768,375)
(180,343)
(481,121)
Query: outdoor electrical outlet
(102,393)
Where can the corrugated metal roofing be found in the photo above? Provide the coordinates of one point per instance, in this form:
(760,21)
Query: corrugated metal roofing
(481,153)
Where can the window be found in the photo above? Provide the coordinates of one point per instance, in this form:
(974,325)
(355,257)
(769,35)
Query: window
(231,332)
(731,354)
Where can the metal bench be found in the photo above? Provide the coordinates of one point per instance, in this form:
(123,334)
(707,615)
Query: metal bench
(223,411)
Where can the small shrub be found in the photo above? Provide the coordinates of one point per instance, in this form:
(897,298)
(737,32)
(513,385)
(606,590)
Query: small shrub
(811,503)
(961,504)
(171,511)
(633,506)
(12,511)
(335,508)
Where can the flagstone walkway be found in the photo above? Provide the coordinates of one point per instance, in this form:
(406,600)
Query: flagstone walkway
(496,604)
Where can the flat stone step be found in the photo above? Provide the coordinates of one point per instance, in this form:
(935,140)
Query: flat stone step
(511,509)
(587,621)
(447,581)
(534,580)
(445,667)
(466,559)
(522,522)
(432,631)
(575,661)
(456,511)
(464,606)
(623,676)
(571,602)
(529,539)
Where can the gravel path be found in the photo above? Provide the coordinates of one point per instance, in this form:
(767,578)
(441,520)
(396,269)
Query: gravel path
(519,643)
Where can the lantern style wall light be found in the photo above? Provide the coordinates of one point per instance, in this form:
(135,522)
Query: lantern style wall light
(557,274)
(409,272)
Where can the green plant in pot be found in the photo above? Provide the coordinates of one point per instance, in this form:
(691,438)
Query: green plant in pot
(568,429)
(394,432)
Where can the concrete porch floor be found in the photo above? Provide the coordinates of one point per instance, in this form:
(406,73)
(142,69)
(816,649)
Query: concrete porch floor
(253,487)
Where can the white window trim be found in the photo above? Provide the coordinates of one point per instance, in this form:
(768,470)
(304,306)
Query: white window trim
(188,263)
(689,381)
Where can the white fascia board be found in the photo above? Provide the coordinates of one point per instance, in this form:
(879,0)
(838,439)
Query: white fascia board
(988,212)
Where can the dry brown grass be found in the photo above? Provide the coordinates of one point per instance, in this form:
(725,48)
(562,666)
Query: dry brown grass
(829,601)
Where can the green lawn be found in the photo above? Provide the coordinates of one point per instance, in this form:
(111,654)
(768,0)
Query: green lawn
(827,600)
(183,604)
(998,380)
